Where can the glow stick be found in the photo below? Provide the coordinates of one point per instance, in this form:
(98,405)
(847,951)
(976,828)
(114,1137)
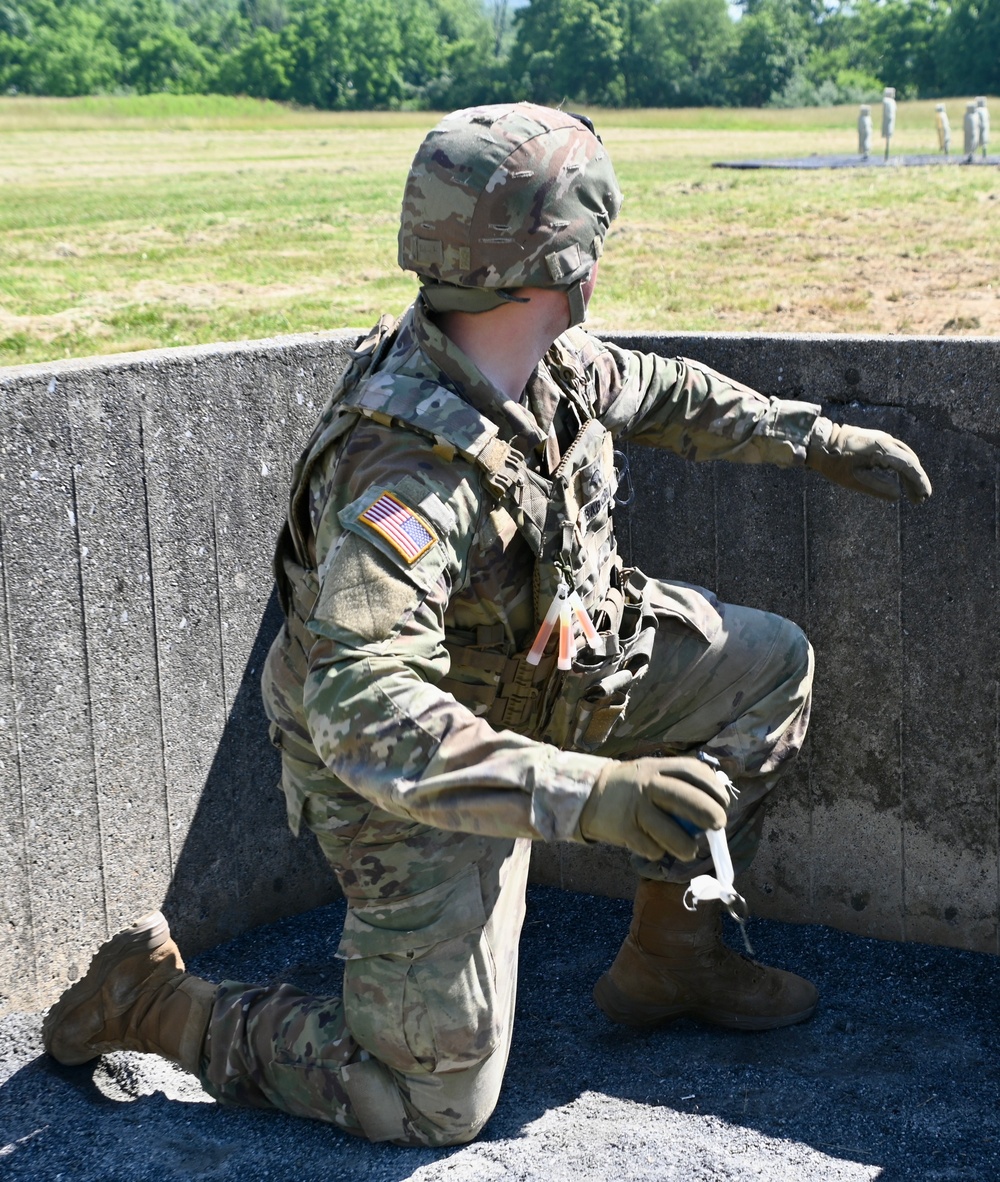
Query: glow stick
(567,641)
(589,631)
(545,631)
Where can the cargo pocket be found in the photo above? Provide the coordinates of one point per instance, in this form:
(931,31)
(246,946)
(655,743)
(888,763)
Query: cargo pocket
(420,988)
(298,777)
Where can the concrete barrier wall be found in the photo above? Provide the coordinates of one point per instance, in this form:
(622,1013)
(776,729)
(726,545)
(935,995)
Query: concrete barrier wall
(139,498)
(888,824)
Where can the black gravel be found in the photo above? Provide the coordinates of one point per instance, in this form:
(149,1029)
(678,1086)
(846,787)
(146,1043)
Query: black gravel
(894,1079)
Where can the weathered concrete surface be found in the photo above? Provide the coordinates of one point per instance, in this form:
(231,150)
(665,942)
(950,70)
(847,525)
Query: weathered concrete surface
(139,497)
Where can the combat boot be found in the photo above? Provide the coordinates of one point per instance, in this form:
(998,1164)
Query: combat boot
(135,996)
(673,964)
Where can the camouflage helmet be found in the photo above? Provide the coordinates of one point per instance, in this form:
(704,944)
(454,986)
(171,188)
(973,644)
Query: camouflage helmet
(506,196)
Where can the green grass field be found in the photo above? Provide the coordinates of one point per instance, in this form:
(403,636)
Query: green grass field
(129,223)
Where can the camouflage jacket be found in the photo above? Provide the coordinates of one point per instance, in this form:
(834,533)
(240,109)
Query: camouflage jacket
(412,595)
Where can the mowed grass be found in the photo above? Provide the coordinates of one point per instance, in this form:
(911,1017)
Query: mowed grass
(129,223)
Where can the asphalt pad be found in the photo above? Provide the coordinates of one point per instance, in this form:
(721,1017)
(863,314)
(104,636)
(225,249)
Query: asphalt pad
(879,161)
(895,1078)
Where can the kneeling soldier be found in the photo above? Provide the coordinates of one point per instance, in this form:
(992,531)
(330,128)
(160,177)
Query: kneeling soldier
(460,482)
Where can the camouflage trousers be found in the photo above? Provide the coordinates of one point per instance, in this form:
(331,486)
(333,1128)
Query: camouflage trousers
(415,1049)
(740,691)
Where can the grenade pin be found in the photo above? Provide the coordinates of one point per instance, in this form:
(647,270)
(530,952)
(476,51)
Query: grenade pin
(721,887)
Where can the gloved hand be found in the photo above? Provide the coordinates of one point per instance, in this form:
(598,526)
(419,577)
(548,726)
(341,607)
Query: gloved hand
(631,805)
(866,461)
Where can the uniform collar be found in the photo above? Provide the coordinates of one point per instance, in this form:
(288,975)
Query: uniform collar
(517,424)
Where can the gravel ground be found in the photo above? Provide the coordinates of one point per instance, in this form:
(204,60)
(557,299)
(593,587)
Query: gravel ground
(876,160)
(894,1079)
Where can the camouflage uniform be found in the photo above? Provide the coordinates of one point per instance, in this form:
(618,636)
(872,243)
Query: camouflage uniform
(421,749)
(436,526)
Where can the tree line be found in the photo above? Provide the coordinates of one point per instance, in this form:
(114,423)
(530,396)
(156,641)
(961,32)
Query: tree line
(441,54)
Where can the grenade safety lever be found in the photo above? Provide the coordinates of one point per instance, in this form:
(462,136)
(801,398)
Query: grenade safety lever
(704,887)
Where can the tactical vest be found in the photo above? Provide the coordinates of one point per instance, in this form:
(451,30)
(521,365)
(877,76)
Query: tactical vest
(566,520)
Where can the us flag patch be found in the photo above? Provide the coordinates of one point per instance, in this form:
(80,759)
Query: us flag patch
(406,532)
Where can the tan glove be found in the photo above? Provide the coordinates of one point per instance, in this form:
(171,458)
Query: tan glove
(867,461)
(634,804)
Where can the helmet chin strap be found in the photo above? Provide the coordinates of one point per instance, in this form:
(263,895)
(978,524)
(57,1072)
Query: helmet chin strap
(577,304)
(447,297)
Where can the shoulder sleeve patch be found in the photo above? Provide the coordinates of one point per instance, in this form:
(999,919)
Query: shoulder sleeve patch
(405,531)
(409,523)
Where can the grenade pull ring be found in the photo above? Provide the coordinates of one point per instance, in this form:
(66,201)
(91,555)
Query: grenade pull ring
(704,887)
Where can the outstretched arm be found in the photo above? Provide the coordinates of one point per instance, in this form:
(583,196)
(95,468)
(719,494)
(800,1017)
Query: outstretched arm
(690,409)
(703,415)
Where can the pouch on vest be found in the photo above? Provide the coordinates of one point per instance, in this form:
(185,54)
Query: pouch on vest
(582,707)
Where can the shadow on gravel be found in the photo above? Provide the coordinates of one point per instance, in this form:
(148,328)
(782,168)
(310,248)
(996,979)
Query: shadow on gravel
(895,1077)
(896,1070)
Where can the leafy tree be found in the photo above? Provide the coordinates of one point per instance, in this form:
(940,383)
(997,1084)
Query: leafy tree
(425,43)
(260,67)
(214,25)
(348,54)
(970,47)
(772,47)
(679,54)
(66,53)
(166,60)
(501,18)
(266,14)
(569,49)
(899,40)
(155,54)
(345,54)
(15,22)
(458,65)
(813,11)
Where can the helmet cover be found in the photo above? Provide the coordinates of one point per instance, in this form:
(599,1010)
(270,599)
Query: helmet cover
(506,196)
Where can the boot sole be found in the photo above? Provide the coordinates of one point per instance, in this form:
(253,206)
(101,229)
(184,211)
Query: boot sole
(146,935)
(626,1011)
